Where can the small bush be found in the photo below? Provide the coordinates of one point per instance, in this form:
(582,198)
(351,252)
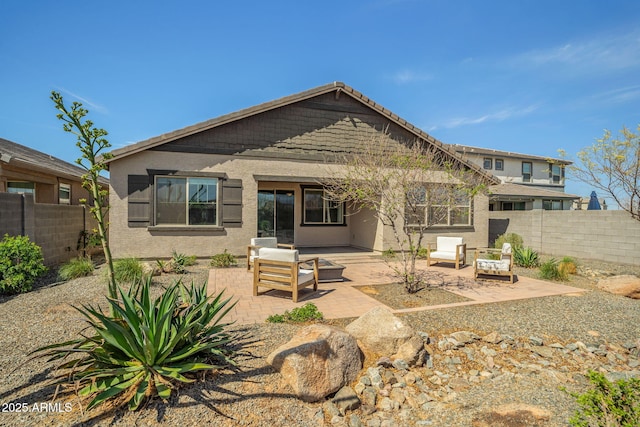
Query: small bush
(21,263)
(77,267)
(306,313)
(389,254)
(180,261)
(525,257)
(421,253)
(568,266)
(513,238)
(549,271)
(607,403)
(223,260)
(127,270)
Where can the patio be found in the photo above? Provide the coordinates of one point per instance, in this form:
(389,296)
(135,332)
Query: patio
(342,299)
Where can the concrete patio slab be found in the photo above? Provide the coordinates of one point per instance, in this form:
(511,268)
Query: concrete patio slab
(342,299)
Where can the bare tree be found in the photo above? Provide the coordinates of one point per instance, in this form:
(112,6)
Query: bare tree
(612,165)
(410,187)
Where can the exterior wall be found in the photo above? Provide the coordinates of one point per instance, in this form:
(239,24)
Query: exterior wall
(142,243)
(46,185)
(604,235)
(362,228)
(55,228)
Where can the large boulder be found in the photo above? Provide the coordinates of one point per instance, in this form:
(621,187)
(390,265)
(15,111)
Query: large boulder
(318,361)
(626,285)
(383,334)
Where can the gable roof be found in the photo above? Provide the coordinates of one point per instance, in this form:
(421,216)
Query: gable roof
(14,153)
(523,190)
(467,149)
(337,87)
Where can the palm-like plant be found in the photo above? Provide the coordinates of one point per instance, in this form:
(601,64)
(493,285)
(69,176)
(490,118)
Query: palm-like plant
(146,346)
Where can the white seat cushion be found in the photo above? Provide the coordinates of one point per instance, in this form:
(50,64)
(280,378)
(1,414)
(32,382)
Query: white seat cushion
(444,255)
(305,276)
(262,242)
(276,254)
(493,265)
(448,244)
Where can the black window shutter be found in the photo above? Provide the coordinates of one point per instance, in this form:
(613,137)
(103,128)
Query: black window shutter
(232,203)
(138,201)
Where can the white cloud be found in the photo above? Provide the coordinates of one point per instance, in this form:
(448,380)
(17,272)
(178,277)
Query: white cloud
(611,52)
(497,116)
(619,96)
(408,76)
(91,106)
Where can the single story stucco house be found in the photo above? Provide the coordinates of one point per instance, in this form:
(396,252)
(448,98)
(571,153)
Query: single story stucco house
(256,172)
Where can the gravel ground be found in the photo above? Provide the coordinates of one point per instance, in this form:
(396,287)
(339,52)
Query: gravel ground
(256,395)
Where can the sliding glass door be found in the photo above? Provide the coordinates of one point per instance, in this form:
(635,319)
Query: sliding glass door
(275,214)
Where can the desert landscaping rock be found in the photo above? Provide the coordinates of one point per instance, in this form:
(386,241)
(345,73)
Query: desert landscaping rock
(626,285)
(380,332)
(317,361)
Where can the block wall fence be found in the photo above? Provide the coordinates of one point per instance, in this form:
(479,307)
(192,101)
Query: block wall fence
(55,228)
(611,235)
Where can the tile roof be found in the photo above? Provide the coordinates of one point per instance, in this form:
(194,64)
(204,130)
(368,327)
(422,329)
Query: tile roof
(524,190)
(467,149)
(11,152)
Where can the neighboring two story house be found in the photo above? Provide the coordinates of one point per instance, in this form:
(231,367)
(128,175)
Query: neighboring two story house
(528,182)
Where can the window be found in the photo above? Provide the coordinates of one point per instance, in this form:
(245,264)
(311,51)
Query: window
(526,171)
(64,194)
(487,163)
(513,206)
(552,205)
(556,174)
(318,209)
(455,213)
(499,164)
(21,187)
(186,201)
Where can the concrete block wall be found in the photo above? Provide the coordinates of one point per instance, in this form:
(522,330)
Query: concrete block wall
(55,228)
(11,218)
(600,235)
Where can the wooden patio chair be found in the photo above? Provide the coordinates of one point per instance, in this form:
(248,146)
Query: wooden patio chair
(280,269)
(502,266)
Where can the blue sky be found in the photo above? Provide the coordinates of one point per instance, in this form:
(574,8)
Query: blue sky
(525,76)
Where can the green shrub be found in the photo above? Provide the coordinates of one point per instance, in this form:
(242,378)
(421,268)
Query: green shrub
(179,261)
(223,260)
(147,346)
(513,238)
(549,271)
(74,268)
(525,257)
(389,254)
(306,313)
(127,270)
(21,263)
(421,253)
(607,403)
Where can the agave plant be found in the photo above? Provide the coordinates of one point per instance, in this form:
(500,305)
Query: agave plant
(147,346)
(525,257)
